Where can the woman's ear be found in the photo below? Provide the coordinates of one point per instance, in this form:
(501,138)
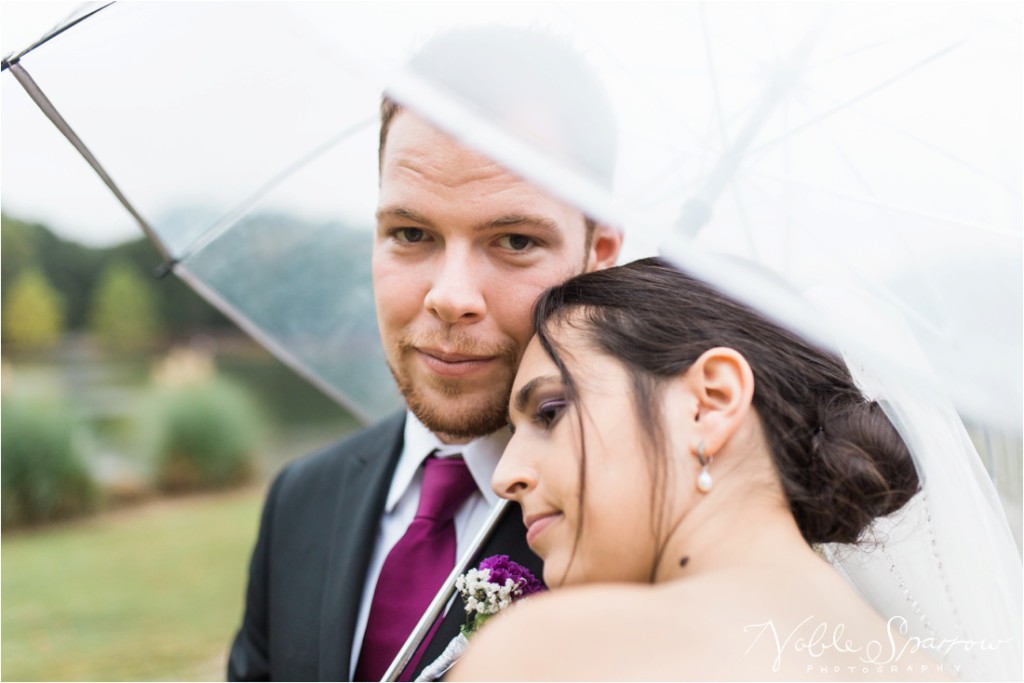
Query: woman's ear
(722,385)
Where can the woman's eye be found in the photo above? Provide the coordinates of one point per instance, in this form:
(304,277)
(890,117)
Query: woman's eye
(409,235)
(548,412)
(516,242)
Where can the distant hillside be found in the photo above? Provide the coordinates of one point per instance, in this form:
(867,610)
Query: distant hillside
(74,269)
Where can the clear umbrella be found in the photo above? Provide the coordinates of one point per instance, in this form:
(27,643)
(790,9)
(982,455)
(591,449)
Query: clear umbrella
(833,143)
(865,158)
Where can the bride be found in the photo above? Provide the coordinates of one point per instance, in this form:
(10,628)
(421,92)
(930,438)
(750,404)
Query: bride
(678,459)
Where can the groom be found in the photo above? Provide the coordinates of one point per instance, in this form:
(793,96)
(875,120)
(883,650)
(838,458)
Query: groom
(348,553)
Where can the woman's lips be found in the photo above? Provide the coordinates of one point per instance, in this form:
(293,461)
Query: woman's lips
(454,364)
(536,524)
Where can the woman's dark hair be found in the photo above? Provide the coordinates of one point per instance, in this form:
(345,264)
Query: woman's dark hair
(839,459)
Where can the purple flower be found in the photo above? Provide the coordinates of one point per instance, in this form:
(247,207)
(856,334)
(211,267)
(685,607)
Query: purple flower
(495,585)
(502,568)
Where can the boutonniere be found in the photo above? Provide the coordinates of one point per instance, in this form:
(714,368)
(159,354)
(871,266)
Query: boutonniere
(496,584)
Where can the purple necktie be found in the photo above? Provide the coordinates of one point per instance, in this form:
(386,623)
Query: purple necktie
(416,567)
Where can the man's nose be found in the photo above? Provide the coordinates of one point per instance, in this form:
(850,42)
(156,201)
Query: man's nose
(457,292)
(514,477)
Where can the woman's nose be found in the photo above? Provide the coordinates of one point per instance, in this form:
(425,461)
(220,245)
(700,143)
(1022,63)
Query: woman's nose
(514,476)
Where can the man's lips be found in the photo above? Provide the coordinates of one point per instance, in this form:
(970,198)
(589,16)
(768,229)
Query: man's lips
(454,364)
(536,524)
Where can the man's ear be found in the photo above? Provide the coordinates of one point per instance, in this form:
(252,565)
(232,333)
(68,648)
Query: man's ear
(605,244)
(723,384)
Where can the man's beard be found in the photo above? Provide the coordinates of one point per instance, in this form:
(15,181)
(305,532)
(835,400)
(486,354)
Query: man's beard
(483,415)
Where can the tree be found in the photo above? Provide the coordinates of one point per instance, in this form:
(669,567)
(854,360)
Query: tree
(19,249)
(68,266)
(123,312)
(181,310)
(33,316)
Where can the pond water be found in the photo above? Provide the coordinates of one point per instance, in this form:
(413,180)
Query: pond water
(112,397)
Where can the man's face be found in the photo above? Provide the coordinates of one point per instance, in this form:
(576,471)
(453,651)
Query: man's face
(463,249)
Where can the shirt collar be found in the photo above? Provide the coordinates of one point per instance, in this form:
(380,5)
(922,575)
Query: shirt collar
(481,456)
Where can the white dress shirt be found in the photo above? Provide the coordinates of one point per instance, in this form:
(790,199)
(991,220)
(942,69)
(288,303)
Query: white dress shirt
(481,456)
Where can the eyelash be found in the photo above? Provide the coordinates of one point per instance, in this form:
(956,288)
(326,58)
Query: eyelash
(548,412)
(401,235)
(533,243)
(398,233)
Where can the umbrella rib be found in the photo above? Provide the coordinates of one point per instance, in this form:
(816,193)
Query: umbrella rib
(666,194)
(235,214)
(653,194)
(857,98)
(445,595)
(866,282)
(866,187)
(869,201)
(653,94)
(650,193)
(47,107)
(697,210)
(842,154)
(713,77)
(856,51)
(787,191)
(11,60)
(268,342)
(741,209)
(933,147)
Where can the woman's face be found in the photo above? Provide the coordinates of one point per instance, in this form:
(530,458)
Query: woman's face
(540,468)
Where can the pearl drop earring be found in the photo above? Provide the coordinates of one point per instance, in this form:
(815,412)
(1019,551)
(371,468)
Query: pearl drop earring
(704,480)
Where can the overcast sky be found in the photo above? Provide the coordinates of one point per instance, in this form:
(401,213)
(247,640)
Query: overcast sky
(72,201)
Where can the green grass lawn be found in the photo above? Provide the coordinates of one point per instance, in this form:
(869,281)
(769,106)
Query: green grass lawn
(151,592)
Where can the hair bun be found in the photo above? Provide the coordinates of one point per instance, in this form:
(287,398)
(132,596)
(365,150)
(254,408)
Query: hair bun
(861,469)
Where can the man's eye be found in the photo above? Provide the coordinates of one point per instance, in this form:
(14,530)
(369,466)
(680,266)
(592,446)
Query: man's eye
(408,234)
(516,242)
(548,412)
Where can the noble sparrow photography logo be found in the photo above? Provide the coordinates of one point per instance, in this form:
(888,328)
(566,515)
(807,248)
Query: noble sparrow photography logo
(817,639)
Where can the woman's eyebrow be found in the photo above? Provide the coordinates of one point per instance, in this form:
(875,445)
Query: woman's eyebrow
(522,397)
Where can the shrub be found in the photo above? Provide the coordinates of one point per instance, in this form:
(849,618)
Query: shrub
(44,477)
(207,436)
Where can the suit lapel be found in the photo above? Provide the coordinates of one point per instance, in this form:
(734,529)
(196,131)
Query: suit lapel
(361,499)
(509,538)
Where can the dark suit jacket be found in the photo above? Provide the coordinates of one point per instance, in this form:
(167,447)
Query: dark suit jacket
(309,565)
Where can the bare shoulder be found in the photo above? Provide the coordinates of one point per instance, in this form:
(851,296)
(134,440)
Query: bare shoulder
(720,627)
(556,633)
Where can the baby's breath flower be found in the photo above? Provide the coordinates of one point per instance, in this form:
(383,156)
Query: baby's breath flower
(492,587)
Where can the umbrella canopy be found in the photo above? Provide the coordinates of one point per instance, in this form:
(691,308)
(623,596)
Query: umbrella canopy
(843,148)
